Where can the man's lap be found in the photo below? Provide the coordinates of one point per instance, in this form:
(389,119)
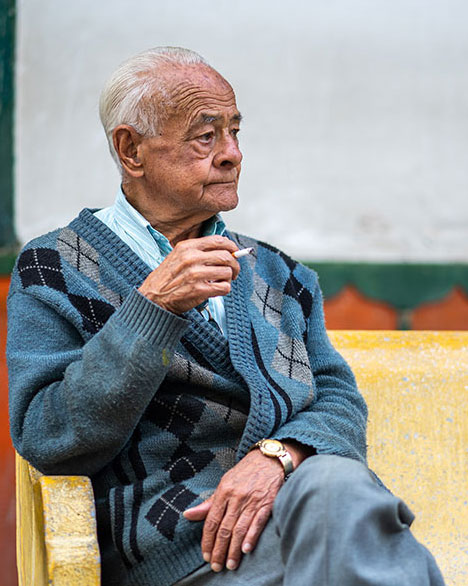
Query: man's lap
(329,495)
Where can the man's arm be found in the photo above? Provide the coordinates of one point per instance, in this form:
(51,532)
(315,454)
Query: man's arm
(74,405)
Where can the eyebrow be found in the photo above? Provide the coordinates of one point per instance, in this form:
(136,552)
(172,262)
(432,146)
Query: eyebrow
(210,119)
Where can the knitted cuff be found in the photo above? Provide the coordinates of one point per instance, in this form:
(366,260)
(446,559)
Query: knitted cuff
(145,318)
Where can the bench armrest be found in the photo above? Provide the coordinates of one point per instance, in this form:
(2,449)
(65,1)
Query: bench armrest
(56,529)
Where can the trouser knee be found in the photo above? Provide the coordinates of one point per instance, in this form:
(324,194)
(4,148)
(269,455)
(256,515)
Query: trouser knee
(333,487)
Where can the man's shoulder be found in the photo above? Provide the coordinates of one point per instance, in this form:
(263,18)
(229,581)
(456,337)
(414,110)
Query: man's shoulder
(42,256)
(38,263)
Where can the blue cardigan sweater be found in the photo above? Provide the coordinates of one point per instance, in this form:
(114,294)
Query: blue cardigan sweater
(155,407)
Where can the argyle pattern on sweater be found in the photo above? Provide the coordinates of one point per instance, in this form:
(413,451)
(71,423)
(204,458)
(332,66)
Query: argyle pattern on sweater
(157,407)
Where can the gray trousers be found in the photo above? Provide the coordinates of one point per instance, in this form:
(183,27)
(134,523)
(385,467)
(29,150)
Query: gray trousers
(332,525)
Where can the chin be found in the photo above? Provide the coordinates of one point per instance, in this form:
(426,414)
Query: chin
(224,198)
(230,204)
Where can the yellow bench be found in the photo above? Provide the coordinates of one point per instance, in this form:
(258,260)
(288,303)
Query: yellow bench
(416,386)
(56,539)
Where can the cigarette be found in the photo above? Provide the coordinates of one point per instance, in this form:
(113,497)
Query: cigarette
(242,252)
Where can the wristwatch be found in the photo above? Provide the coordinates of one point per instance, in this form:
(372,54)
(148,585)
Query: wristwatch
(275,449)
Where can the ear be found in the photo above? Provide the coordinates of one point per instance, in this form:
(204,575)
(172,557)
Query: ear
(126,143)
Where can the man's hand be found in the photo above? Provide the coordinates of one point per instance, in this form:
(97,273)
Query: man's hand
(238,510)
(195,270)
(236,514)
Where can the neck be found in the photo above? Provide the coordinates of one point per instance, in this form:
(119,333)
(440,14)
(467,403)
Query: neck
(173,224)
(177,233)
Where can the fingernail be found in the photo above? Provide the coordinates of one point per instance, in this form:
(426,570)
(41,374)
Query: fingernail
(231,564)
(246,548)
(206,556)
(216,567)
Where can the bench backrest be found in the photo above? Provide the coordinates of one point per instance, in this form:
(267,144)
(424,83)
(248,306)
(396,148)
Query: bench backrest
(416,387)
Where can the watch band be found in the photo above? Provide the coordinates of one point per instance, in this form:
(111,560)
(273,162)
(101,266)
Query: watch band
(287,461)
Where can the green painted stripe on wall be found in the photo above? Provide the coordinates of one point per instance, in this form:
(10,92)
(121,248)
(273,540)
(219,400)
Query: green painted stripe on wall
(7,84)
(7,262)
(402,285)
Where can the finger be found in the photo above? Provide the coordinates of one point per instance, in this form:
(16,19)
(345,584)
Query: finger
(188,259)
(196,273)
(221,258)
(189,267)
(182,299)
(208,243)
(208,273)
(256,528)
(210,527)
(239,532)
(223,537)
(197,282)
(217,289)
(199,512)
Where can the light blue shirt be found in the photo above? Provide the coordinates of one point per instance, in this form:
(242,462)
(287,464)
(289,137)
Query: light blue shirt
(152,246)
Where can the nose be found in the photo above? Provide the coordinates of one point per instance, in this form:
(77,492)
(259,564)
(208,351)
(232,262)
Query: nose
(228,155)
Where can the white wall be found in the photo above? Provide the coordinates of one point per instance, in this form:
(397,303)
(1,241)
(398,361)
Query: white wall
(356,116)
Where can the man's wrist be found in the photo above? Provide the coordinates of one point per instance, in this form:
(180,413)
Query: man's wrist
(272,448)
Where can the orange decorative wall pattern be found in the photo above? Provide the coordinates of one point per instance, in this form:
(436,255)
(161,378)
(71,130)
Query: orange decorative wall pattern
(350,310)
(451,313)
(7,460)
(376,296)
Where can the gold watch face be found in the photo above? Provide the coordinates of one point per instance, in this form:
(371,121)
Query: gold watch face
(271,447)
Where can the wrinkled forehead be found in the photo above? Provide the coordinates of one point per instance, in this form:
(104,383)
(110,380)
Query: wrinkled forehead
(194,89)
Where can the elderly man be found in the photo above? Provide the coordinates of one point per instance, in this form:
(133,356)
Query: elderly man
(188,383)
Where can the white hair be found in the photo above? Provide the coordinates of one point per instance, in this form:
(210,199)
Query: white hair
(131,94)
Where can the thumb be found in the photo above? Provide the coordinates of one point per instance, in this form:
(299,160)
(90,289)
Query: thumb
(199,512)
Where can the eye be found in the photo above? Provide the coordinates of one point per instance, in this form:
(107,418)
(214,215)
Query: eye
(206,138)
(235,132)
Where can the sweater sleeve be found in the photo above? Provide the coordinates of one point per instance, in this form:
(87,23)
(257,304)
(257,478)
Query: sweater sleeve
(74,405)
(335,421)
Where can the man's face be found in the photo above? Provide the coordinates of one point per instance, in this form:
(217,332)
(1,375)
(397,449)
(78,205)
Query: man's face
(192,167)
